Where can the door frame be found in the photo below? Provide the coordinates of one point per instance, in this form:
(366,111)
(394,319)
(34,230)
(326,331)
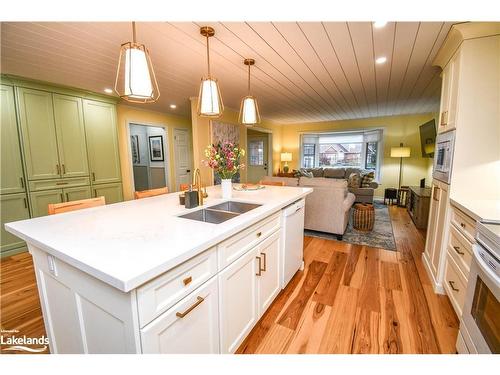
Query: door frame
(190,145)
(166,145)
(269,134)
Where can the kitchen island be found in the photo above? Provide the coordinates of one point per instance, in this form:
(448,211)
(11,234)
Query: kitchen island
(135,277)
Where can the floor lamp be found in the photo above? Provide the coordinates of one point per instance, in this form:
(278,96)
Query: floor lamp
(400,152)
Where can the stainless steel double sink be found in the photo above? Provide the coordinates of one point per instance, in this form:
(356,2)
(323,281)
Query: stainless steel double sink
(220,212)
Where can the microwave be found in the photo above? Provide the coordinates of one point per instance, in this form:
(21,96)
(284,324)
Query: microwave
(443,156)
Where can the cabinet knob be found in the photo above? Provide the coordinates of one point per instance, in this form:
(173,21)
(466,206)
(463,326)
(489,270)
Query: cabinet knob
(187,280)
(259,234)
(462,225)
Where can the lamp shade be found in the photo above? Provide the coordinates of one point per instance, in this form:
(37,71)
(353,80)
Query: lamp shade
(209,100)
(400,152)
(249,111)
(286,156)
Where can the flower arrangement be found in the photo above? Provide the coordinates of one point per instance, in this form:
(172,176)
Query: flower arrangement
(224,158)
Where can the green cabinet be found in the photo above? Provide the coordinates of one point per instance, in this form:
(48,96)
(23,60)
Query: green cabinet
(112,192)
(12,178)
(53,133)
(14,208)
(102,141)
(38,133)
(76,193)
(40,200)
(70,133)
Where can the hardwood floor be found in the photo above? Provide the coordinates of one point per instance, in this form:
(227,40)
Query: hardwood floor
(348,299)
(19,303)
(357,299)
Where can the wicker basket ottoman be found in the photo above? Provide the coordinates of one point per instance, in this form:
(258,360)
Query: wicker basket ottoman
(363,216)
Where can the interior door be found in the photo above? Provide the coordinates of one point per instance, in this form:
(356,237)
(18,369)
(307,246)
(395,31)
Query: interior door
(257,157)
(39,134)
(11,180)
(182,151)
(70,136)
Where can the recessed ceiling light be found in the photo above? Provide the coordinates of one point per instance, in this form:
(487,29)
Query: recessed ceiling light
(379,24)
(108,91)
(381,60)
(173,106)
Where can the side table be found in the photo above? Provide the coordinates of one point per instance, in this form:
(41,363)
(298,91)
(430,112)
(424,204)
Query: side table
(390,194)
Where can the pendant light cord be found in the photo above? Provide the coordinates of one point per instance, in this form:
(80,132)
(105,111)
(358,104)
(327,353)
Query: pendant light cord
(133,32)
(208,56)
(248,79)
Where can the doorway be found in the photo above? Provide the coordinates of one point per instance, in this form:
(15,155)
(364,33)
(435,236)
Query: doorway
(149,153)
(259,145)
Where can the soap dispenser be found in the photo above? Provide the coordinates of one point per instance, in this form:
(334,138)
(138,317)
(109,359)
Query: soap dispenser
(191,199)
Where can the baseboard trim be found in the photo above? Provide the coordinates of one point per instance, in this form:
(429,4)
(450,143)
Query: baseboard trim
(8,253)
(437,287)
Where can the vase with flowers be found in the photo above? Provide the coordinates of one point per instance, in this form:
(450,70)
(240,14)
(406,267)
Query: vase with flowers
(225,159)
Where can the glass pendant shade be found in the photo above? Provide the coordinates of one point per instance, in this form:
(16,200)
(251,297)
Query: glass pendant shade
(209,99)
(135,77)
(249,111)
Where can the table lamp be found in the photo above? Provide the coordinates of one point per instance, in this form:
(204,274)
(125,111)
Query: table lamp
(400,152)
(286,157)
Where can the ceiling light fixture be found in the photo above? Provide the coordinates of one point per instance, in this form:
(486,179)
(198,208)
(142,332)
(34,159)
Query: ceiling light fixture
(209,99)
(173,106)
(108,91)
(381,60)
(135,77)
(379,24)
(249,110)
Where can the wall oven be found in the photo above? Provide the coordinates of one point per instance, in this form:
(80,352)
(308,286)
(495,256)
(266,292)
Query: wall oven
(443,156)
(480,324)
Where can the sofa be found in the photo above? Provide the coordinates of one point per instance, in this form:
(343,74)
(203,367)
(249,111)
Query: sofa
(363,195)
(327,207)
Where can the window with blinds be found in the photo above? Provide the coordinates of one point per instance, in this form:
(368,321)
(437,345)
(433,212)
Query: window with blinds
(356,149)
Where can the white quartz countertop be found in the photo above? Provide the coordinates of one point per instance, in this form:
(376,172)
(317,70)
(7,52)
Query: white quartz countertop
(485,210)
(129,243)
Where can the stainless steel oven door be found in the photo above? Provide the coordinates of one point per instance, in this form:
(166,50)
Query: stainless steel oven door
(481,313)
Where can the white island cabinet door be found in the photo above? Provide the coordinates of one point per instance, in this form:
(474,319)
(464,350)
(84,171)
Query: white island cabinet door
(269,279)
(189,327)
(238,301)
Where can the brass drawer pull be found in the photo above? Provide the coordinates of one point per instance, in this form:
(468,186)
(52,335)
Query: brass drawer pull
(67,197)
(457,249)
(93,176)
(22,182)
(63,169)
(265,262)
(260,266)
(452,285)
(25,203)
(187,280)
(61,183)
(259,234)
(435,195)
(58,169)
(183,314)
(62,197)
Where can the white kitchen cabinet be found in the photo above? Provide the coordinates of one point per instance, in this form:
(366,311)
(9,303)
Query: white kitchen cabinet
(238,301)
(449,95)
(269,278)
(437,232)
(191,326)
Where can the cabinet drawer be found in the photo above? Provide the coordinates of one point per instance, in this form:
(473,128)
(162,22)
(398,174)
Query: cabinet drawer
(234,247)
(58,183)
(189,327)
(465,224)
(455,284)
(160,294)
(460,249)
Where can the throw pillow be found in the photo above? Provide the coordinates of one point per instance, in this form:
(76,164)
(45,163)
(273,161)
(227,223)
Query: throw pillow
(303,172)
(354,180)
(367,179)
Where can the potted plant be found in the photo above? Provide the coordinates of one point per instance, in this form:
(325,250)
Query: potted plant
(225,159)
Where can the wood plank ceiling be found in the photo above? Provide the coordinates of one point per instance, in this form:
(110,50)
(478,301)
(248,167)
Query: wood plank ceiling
(304,72)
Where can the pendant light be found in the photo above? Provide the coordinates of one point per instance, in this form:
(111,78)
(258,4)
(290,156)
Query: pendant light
(249,110)
(135,78)
(209,99)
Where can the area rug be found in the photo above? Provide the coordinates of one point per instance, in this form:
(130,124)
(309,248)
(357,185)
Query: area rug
(381,236)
